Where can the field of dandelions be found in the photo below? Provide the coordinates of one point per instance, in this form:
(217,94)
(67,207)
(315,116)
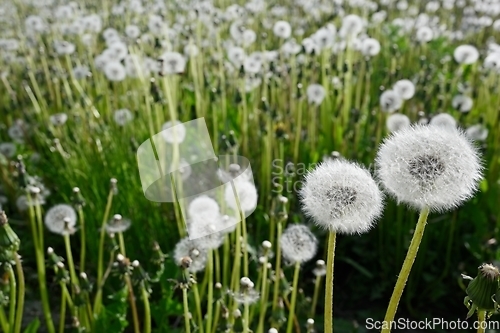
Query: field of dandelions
(363,122)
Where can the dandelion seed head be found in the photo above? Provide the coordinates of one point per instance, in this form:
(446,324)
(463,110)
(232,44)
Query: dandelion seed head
(390,101)
(315,93)
(60,219)
(466,54)
(246,194)
(172,63)
(444,120)
(282,29)
(114,71)
(370,47)
(298,244)
(405,89)
(477,132)
(426,166)
(462,103)
(122,117)
(424,34)
(193,250)
(173,132)
(397,121)
(204,206)
(341,196)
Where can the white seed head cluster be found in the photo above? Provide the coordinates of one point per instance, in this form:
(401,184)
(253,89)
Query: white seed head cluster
(444,120)
(397,121)
(247,195)
(426,166)
(390,101)
(298,244)
(194,250)
(342,196)
(60,219)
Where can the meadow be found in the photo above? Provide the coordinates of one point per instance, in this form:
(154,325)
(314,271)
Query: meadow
(295,95)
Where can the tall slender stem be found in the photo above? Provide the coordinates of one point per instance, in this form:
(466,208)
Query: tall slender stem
(37,231)
(317,286)
(20,294)
(135,316)
(62,318)
(147,310)
(83,244)
(294,298)
(187,315)
(405,270)
(100,268)
(263,302)
(69,255)
(481,321)
(329,283)
(12,297)
(210,297)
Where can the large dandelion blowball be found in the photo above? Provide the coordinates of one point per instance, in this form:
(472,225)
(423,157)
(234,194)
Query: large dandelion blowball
(60,219)
(426,166)
(466,54)
(342,197)
(298,244)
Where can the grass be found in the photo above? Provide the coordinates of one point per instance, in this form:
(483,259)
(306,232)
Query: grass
(271,124)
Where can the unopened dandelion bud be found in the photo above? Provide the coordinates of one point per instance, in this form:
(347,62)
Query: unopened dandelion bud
(135,263)
(186,262)
(283,199)
(237,313)
(112,185)
(484,286)
(218,285)
(9,242)
(34,190)
(246,283)
(266,244)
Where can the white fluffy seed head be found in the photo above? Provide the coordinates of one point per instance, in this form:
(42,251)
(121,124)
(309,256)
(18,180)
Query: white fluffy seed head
(477,132)
(191,249)
(298,244)
(444,120)
(426,166)
(397,121)
(405,89)
(60,219)
(390,101)
(466,54)
(462,103)
(342,196)
(205,206)
(247,195)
